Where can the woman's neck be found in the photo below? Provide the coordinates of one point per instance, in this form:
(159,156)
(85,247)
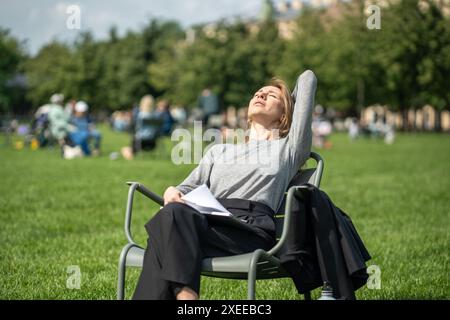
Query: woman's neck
(261,132)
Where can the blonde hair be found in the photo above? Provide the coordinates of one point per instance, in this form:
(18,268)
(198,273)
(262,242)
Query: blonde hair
(288,107)
(146,104)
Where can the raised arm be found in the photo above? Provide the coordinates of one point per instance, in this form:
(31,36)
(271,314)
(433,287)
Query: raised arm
(300,133)
(199,175)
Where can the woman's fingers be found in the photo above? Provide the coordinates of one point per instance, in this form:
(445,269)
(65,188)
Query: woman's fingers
(173,200)
(172,195)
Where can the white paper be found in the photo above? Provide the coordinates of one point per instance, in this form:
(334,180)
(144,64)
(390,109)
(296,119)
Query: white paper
(203,200)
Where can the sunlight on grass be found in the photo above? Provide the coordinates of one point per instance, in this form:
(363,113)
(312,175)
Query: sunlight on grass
(56,213)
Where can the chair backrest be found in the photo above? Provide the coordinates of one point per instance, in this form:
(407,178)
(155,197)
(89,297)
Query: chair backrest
(147,128)
(308,175)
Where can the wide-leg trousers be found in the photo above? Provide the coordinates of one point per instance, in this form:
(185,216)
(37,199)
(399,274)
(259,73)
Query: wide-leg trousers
(180,237)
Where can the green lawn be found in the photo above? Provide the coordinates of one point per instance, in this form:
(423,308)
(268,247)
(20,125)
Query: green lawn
(56,213)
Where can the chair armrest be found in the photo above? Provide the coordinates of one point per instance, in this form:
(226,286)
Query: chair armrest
(146,192)
(319,168)
(293,191)
(128,213)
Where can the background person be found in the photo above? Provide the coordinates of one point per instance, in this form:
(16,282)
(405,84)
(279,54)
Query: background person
(83,130)
(208,102)
(58,119)
(145,130)
(163,113)
(50,122)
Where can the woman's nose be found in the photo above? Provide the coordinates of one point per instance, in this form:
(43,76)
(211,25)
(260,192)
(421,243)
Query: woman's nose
(260,95)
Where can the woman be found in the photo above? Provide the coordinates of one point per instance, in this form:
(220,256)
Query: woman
(180,237)
(145,131)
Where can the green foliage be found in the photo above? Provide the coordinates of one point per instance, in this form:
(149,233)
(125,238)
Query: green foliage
(228,58)
(404,64)
(307,51)
(123,80)
(414,52)
(267,12)
(109,74)
(88,69)
(52,70)
(11,55)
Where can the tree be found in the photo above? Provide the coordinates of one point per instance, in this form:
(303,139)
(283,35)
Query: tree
(124,78)
(405,64)
(415,52)
(11,56)
(434,68)
(160,39)
(226,57)
(267,50)
(308,50)
(48,72)
(88,70)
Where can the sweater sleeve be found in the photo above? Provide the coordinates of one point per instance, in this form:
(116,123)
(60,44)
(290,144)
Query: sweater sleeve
(200,175)
(300,133)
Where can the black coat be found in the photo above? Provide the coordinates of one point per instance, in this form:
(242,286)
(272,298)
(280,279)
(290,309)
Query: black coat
(323,245)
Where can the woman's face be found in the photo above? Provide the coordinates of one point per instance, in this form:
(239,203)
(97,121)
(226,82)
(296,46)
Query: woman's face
(266,106)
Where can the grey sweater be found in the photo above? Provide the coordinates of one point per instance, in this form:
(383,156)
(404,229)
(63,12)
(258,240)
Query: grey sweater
(260,170)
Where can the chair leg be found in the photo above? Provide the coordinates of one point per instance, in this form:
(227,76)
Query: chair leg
(121,281)
(121,273)
(251,285)
(307,295)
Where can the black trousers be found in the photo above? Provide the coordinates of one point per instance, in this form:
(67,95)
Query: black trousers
(179,237)
(139,145)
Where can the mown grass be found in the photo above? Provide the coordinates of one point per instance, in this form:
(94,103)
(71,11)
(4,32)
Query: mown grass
(57,213)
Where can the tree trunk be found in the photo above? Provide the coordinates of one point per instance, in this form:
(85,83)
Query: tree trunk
(360,94)
(405,121)
(437,121)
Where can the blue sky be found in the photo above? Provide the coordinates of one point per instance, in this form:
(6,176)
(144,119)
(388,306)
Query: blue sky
(40,21)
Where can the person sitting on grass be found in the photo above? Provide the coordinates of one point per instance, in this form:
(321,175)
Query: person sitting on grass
(83,130)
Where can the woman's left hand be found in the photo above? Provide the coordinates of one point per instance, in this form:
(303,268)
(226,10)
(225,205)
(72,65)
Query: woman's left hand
(172,194)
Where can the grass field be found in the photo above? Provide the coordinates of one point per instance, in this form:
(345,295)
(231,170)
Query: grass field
(57,213)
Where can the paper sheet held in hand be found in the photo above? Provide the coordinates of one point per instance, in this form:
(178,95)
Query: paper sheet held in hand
(203,200)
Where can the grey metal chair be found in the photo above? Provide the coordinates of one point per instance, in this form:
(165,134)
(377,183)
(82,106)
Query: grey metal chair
(252,266)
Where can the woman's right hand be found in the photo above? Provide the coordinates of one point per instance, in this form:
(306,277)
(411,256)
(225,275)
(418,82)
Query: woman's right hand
(172,195)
